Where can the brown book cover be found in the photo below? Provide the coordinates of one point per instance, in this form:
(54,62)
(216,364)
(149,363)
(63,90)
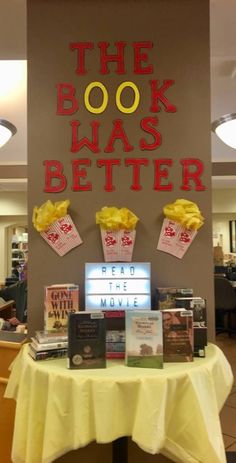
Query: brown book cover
(198,306)
(177,335)
(165,296)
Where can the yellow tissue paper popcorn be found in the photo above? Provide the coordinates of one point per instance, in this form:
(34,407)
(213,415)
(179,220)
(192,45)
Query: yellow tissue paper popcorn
(184,212)
(117,233)
(48,213)
(115,219)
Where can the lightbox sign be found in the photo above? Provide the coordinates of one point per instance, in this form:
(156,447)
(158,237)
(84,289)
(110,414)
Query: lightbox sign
(117,286)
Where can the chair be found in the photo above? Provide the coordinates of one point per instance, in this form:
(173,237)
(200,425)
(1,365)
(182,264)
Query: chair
(225,305)
(7,309)
(11,280)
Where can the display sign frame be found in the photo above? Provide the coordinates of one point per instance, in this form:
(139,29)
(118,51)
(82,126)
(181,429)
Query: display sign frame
(118,286)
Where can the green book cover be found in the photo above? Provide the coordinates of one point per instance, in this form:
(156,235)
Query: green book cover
(144,344)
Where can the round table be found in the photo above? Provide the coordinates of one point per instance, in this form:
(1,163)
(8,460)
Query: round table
(173,411)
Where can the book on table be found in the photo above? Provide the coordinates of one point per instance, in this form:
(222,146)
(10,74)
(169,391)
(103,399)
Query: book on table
(45,336)
(59,301)
(41,346)
(177,335)
(115,333)
(165,296)
(86,340)
(198,306)
(48,354)
(144,341)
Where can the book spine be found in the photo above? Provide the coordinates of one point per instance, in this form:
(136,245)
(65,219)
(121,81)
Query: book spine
(49,346)
(50,339)
(48,354)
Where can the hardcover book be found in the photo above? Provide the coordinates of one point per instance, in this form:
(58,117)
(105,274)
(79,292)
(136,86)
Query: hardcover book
(165,296)
(86,340)
(48,345)
(43,337)
(47,354)
(144,341)
(115,333)
(177,335)
(198,306)
(59,301)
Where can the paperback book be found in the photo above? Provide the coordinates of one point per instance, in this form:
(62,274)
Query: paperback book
(198,306)
(165,296)
(144,341)
(177,335)
(87,340)
(59,301)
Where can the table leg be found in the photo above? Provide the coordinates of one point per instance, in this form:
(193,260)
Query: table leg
(120,450)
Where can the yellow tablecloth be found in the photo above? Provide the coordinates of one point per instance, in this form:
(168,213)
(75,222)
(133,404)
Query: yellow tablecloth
(173,411)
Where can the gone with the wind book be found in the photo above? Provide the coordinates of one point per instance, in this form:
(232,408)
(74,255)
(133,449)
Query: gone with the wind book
(59,301)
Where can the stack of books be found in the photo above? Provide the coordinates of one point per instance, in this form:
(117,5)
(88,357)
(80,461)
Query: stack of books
(47,345)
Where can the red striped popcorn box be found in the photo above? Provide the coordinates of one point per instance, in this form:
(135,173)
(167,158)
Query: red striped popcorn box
(110,245)
(175,239)
(184,240)
(126,245)
(118,245)
(62,235)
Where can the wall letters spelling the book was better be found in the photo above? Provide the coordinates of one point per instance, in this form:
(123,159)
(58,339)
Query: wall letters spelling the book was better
(103,98)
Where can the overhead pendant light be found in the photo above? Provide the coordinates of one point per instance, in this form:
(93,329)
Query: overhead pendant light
(7,130)
(225,129)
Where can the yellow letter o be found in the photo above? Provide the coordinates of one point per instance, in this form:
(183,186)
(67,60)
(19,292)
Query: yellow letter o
(88,106)
(119,105)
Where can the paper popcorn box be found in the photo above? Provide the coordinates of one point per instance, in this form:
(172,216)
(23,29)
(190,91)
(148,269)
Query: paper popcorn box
(62,235)
(110,245)
(126,245)
(175,239)
(118,245)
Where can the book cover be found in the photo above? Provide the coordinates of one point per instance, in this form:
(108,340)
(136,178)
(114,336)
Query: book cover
(198,306)
(47,354)
(165,296)
(86,340)
(48,346)
(45,336)
(144,341)
(177,335)
(115,333)
(13,336)
(59,301)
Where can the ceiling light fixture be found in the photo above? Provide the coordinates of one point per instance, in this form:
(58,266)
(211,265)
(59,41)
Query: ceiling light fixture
(225,129)
(7,130)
